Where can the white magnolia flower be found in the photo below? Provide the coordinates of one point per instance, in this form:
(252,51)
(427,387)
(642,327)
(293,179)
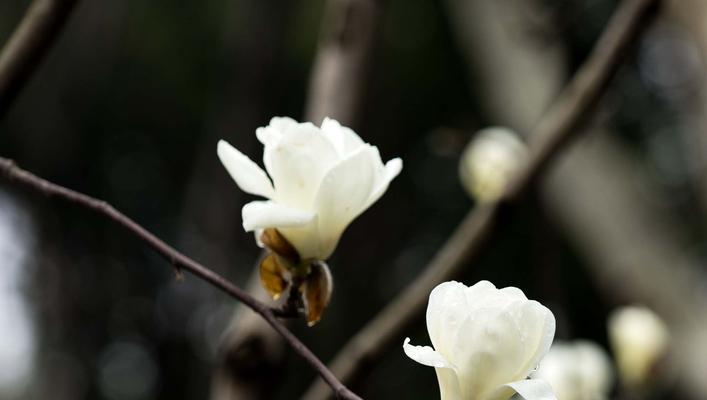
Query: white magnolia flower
(322,178)
(639,339)
(489,162)
(579,370)
(486,342)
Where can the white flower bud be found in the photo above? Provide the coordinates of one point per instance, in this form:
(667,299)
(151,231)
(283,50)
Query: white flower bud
(579,370)
(639,339)
(490,161)
(322,178)
(486,342)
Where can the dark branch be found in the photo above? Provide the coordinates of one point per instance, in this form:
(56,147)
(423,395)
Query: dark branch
(29,44)
(180,261)
(555,130)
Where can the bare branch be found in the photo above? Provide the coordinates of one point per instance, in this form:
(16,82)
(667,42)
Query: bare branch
(554,131)
(180,261)
(29,44)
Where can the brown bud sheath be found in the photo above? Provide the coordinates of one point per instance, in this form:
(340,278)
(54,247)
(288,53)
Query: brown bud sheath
(273,275)
(316,291)
(273,240)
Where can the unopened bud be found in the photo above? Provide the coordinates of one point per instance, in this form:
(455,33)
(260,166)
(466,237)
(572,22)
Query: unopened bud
(639,339)
(274,275)
(490,161)
(316,292)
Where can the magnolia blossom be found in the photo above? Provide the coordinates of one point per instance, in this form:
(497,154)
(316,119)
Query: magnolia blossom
(486,342)
(489,162)
(639,339)
(578,370)
(322,178)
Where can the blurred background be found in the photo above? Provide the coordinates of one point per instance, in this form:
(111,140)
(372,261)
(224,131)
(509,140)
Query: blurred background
(130,102)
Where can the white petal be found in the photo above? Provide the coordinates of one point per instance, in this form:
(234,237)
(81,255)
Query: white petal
(514,293)
(446,310)
(446,373)
(298,163)
(271,134)
(344,139)
(247,174)
(425,355)
(538,322)
(267,214)
(533,389)
(488,350)
(448,380)
(282,124)
(391,170)
(342,196)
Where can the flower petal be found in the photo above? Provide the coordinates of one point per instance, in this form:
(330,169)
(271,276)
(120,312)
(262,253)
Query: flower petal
(448,380)
(533,389)
(247,174)
(298,163)
(487,351)
(390,171)
(446,372)
(344,139)
(538,322)
(446,310)
(342,196)
(271,134)
(425,355)
(267,214)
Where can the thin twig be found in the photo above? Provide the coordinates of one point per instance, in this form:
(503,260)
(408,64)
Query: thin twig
(180,261)
(557,127)
(29,43)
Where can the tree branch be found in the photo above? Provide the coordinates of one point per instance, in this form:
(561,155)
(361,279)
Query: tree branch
(29,44)
(555,130)
(180,261)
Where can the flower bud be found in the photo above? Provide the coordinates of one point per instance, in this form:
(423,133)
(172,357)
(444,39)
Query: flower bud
(579,370)
(274,274)
(486,342)
(316,292)
(490,161)
(639,339)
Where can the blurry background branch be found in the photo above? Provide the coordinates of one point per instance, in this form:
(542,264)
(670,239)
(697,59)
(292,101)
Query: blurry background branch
(690,16)
(343,60)
(28,45)
(178,260)
(337,84)
(555,129)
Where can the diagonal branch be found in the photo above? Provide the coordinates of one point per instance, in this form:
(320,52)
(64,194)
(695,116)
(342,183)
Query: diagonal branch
(29,43)
(180,261)
(555,130)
